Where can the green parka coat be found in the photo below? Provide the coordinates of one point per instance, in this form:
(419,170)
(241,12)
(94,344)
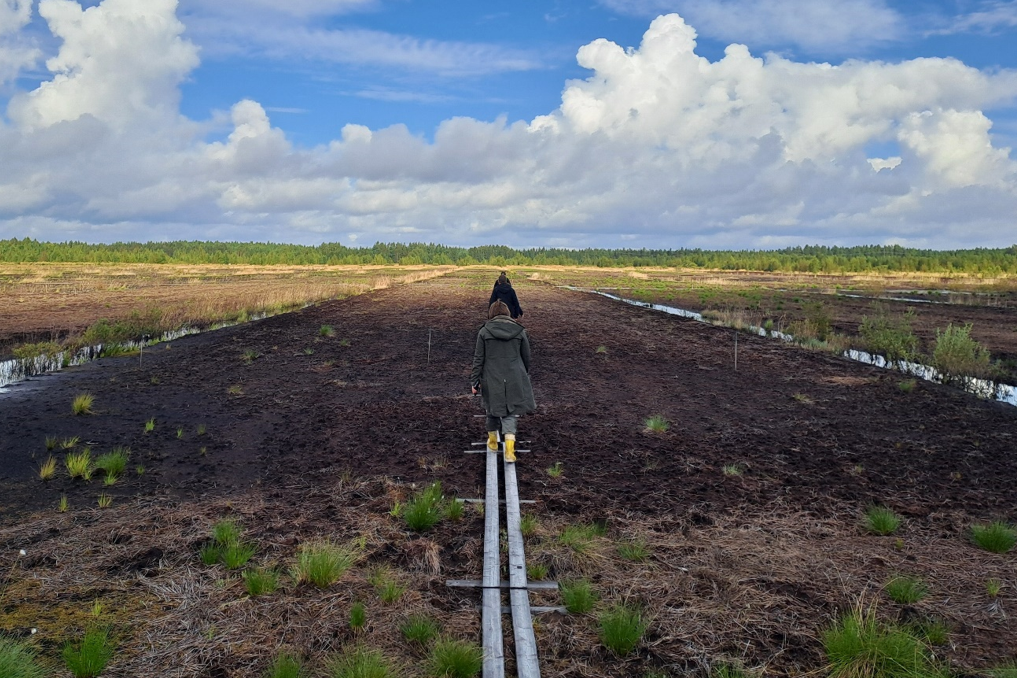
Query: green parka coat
(501,366)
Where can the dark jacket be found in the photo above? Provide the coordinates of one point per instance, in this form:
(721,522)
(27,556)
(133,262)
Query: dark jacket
(504,292)
(501,366)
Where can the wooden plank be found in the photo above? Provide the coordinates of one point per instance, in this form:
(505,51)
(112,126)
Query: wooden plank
(477,583)
(494,644)
(527,665)
(484,451)
(470,500)
(538,609)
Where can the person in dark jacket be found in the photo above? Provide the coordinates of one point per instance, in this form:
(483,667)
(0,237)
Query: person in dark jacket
(503,292)
(501,372)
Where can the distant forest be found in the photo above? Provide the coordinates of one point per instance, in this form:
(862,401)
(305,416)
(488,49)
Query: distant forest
(810,259)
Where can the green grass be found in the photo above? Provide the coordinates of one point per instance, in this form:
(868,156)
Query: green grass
(358,616)
(249,356)
(556,470)
(82,404)
(326,331)
(180,432)
(536,571)
(451,658)
(285,665)
(226,532)
(386,585)
(114,463)
(997,536)
(578,596)
(322,563)
(48,468)
(234,556)
(881,520)
(63,505)
(958,357)
(621,629)
(635,550)
(528,525)
(18,660)
(360,662)
(580,538)
(728,671)
(425,509)
(454,510)
(51,443)
(150,425)
(731,470)
(993,586)
(1006,671)
(105,500)
(906,590)
(79,464)
(261,581)
(657,424)
(420,629)
(859,646)
(202,429)
(69,443)
(934,631)
(89,657)
(210,554)
(907,386)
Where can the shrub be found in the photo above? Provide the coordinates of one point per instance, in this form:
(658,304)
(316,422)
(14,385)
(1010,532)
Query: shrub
(578,596)
(881,520)
(425,509)
(657,424)
(906,590)
(455,659)
(891,337)
(18,661)
(817,316)
(858,645)
(89,657)
(420,629)
(322,563)
(997,537)
(959,358)
(82,404)
(621,629)
(285,665)
(359,662)
(260,581)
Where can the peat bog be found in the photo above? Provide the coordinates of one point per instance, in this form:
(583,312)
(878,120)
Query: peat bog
(301,436)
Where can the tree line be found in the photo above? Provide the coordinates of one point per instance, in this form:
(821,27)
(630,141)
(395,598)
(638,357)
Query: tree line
(807,259)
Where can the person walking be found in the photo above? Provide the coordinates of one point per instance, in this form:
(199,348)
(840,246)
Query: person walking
(503,292)
(501,373)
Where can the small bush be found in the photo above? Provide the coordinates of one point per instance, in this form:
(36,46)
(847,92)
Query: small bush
(358,616)
(621,629)
(89,657)
(425,509)
(635,550)
(657,424)
(891,337)
(959,358)
(322,563)
(859,645)
(285,665)
(455,659)
(997,537)
(83,404)
(18,661)
(906,590)
(360,662)
(881,520)
(79,464)
(578,596)
(420,629)
(261,581)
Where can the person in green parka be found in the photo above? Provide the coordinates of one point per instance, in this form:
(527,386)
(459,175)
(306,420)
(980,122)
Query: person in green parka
(501,372)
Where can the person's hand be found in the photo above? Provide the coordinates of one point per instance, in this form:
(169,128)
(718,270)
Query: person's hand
(475,389)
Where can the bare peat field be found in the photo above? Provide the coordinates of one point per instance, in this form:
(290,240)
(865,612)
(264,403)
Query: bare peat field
(736,530)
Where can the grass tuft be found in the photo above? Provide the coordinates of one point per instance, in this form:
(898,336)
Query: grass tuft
(114,463)
(360,662)
(997,536)
(226,532)
(635,550)
(79,464)
(578,596)
(453,658)
(260,581)
(386,585)
(105,500)
(993,586)
(881,520)
(285,665)
(322,563)
(82,404)
(580,538)
(63,505)
(18,661)
(48,468)
(358,616)
(89,657)
(556,470)
(425,509)
(859,646)
(51,443)
(528,525)
(657,424)
(234,556)
(326,331)
(420,629)
(69,443)
(906,590)
(150,425)
(731,470)
(536,571)
(621,629)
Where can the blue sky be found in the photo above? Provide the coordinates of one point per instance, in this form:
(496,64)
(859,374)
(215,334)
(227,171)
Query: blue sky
(618,123)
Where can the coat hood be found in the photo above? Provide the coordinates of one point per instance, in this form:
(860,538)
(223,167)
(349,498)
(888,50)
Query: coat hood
(502,327)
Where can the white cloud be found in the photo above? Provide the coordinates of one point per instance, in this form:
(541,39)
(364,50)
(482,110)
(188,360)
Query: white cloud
(993,17)
(658,144)
(815,26)
(16,53)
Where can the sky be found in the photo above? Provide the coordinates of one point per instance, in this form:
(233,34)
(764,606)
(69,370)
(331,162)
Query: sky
(664,124)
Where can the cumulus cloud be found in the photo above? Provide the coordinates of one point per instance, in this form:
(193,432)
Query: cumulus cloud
(658,147)
(16,53)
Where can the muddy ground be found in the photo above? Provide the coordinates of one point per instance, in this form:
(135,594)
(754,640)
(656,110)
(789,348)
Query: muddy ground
(747,568)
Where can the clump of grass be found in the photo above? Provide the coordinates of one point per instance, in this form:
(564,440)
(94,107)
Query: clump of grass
(79,464)
(89,657)
(235,389)
(634,550)
(425,509)
(1008,670)
(602,350)
(907,386)
(997,536)
(731,470)
(226,532)
(621,628)
(180,432)
(454,510)
(105,500)
(210,554)
(556,470)
(657,424)
(51,443)
(580,538)
(906,590)
(360,662)
(803,399)
(358,616)
(261,581)
(881,520)
(70,443)
(344,342)
(386,585)
(326,331)
(48,468)
(201,429)
(113,463)
(227,546)
(993,586)
(528,525)
(82,404)
(536,571)
(18,660)
(140,469)
(934,631)
(578,596)
(420,629)
(285,665)
(727,671)
(322,563)
(62,506)
(249,356)
(150,425)
(859,645)
(455,659)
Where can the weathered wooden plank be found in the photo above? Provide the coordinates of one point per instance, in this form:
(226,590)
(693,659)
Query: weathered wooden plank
(538,609)
(494,647)
(470,500)
(527,665)
(477,583)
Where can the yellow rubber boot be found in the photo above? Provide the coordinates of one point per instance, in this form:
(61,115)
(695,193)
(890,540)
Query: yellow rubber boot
(510,447)
(492,441)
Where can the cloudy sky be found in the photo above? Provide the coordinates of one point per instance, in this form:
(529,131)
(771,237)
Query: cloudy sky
(723,124)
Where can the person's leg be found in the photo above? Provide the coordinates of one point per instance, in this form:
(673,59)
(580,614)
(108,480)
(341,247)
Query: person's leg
(493,425)
(508,428)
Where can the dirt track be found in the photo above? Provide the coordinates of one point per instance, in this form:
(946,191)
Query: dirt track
(817,438)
